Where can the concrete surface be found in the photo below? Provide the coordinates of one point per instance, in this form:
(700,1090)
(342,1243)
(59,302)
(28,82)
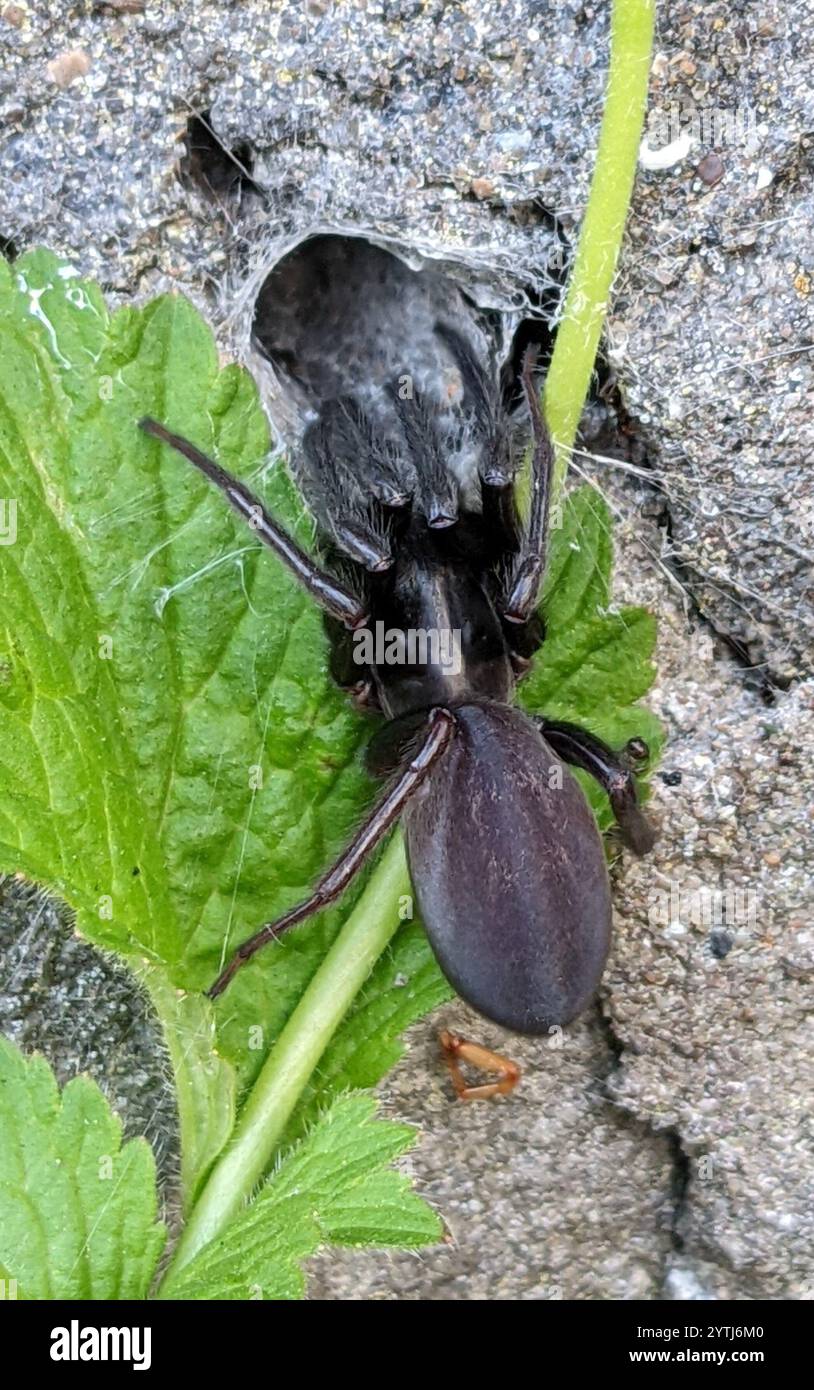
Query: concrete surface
(665,1150)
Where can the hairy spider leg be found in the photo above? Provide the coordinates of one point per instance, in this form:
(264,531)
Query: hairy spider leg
(328,592)
(440,726)
(436,488)
(527,571)
(612,771)
(496,473)
(495,469)
(353,482)
(457,1050)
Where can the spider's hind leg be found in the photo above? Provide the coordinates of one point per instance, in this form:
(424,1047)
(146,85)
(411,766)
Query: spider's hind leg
(613,772)
(438,729)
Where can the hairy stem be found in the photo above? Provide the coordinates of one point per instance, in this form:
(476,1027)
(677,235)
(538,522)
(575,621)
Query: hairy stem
(204,1082)
(586,303)
(295,1055)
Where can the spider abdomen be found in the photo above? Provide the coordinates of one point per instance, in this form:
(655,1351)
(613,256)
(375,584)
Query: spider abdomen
(509,873)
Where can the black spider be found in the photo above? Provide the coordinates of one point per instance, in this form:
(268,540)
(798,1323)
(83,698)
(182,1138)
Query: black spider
(506,859)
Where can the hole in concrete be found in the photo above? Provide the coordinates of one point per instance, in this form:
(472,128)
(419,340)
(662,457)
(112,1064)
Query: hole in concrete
(352,331)
(8,248)
(210,167)
(342,315)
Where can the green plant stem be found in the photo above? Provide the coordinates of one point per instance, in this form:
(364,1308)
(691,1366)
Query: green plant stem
(164,998)
(586,302)
(295,1055)
(204,1082)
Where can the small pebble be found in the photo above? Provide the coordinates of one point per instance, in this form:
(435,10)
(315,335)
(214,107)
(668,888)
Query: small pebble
(720,944)
(711,169)
(64,69)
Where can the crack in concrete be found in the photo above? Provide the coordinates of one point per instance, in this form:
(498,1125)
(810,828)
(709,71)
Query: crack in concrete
(668,1136)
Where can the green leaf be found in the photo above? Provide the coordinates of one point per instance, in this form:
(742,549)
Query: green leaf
(176,763)
(578,573)
(77,1208)
(596,660)
(335,1186)
(167,683)
(179,765)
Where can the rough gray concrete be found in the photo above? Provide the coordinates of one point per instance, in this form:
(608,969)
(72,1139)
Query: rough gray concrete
(665,1150)
(61,997)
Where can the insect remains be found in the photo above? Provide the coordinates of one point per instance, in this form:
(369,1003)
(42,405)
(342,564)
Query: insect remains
(457,1050)
(420,534)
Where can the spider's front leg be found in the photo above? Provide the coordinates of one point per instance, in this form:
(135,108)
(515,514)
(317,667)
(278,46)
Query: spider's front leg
(613,772)
(332,596)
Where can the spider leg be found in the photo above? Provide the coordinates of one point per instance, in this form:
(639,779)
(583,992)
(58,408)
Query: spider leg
(328,592)
(438,732)
(527,571)
(436,492)
(352,481)
(374,459)
(612,771)
(495,468)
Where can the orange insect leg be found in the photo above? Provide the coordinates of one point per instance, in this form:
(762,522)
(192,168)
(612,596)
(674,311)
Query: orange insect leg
(457,1050)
